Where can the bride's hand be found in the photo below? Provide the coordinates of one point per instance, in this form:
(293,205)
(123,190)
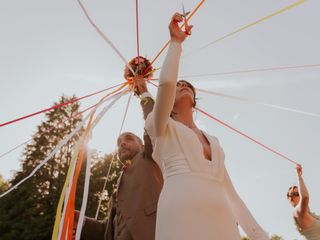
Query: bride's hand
(176,33)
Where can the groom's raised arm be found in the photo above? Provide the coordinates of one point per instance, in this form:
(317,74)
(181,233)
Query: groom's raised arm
(147,104)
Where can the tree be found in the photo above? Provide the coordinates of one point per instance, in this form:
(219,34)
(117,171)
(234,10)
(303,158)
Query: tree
(273,237)
(99,171)
(28,212)
(276,237)
(3,184)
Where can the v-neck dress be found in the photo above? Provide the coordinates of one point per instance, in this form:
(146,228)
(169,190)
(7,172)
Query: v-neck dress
(198,200)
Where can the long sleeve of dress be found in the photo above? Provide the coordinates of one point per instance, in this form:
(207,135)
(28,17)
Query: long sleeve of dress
(167,87)
(242,213)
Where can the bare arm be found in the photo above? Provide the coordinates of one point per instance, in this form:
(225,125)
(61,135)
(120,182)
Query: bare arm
(303,206)
(242,213)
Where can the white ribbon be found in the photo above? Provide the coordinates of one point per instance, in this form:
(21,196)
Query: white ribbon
(105,37)
(57,148)
(85,196)
(260,103)
(98,118)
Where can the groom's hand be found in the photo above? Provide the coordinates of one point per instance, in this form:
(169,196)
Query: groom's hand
(140,85)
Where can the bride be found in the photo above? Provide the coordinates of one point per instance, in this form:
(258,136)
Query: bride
(198,200)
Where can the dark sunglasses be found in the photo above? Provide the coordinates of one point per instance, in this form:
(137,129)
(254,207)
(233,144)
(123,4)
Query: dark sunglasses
(294,194)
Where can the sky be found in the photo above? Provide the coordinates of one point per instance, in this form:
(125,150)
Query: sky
(48,48)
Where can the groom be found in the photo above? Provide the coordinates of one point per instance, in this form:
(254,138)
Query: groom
(132,211)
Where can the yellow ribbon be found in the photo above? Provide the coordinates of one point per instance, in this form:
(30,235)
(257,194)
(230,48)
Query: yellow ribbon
(258,21)
(63,193)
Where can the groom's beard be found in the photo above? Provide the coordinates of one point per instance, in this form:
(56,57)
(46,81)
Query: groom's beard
(127,155)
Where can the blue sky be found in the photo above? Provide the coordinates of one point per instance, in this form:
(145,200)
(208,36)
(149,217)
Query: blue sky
(48,48)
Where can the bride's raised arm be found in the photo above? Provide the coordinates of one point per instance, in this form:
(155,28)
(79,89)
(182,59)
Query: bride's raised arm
(168,77)
(167,88)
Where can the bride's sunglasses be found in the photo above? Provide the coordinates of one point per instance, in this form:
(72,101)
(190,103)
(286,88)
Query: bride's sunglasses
(294,194)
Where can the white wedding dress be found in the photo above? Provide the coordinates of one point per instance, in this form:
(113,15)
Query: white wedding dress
(198,200)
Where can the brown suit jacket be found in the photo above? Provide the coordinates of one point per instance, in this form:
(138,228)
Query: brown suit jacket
(137,196)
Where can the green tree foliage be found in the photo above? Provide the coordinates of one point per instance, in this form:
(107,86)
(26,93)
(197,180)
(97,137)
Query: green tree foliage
(99,171)
(3,184)
(276,237)
(273,237)
(28,212)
